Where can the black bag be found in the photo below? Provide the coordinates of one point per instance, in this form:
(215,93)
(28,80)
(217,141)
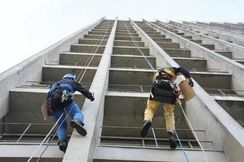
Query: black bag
(163,92)
(59,99)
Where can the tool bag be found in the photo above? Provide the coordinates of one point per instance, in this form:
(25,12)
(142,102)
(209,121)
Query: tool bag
(162,91)
(59,98)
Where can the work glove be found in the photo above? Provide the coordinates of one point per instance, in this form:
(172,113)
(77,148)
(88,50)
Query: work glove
(191,82)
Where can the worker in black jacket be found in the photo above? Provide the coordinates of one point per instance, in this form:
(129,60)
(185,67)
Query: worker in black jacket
(60,100)
(164,91)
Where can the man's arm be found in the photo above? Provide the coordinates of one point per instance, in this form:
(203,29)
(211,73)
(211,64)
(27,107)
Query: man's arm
(186,73)
(183,71)
(84,91)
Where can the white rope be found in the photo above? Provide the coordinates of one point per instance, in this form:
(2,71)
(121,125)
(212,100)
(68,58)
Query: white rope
(93,54)
(34,153)
(134,42)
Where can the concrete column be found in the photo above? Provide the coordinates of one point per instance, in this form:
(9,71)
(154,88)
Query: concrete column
(82,148)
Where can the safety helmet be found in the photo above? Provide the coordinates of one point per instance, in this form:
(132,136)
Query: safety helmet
(69,76)
(167,71)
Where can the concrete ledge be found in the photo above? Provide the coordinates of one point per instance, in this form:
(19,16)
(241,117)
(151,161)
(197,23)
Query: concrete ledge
(127,38)
(129,61)
(191,63)
(174,52)
(236,49)
(96,36)
(168,45)
(128,43)
(53,73)
(16,153)
(144,77)
(79,59)
(84,48)
(130,50)
(109,154)
(92,41)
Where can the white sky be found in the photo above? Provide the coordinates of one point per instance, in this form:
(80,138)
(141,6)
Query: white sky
(29,26)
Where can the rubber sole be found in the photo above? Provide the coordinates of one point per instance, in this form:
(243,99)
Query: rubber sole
(62,148)
(78,127)
(172,143)
(145,129)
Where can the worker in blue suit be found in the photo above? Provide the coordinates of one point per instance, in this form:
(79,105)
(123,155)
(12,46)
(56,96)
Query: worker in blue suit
(61,102)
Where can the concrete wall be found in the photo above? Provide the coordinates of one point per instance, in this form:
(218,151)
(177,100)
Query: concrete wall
(218,33)
(82,149)
(23,72)
(206,114)
(226,46)
(215,60)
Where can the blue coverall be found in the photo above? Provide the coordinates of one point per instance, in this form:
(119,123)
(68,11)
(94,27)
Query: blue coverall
(71,108)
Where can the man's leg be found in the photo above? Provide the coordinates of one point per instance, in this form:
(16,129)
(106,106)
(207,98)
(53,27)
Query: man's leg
(62,129)
(77,118)
(152,107)
(170,124)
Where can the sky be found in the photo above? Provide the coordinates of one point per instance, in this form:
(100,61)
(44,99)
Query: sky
(29,26)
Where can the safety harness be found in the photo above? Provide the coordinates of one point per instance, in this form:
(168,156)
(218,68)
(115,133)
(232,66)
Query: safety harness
(59,98)
(164,90)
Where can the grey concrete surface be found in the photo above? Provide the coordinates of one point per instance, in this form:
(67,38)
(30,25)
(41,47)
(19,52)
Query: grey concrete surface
(129,61)
(218,131)
(79,59)
(215,120)
(214,60)
(130,113)
(130,50)
(20,73)
(92,41)
(191,63)
(82,149)
(20,103)
(237,50)
(106,154)
(52,73)
(128,43)
(216,33)
(16,153)
(84,48)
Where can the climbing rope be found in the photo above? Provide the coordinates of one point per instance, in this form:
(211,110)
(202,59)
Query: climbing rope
(82,73)
(181,146)
(48,134)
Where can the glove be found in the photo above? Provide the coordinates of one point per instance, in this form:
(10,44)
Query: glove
(191,82)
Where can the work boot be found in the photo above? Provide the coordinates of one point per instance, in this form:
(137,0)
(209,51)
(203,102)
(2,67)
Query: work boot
(78,126)
(62,145)
(172,141)
(146,125)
